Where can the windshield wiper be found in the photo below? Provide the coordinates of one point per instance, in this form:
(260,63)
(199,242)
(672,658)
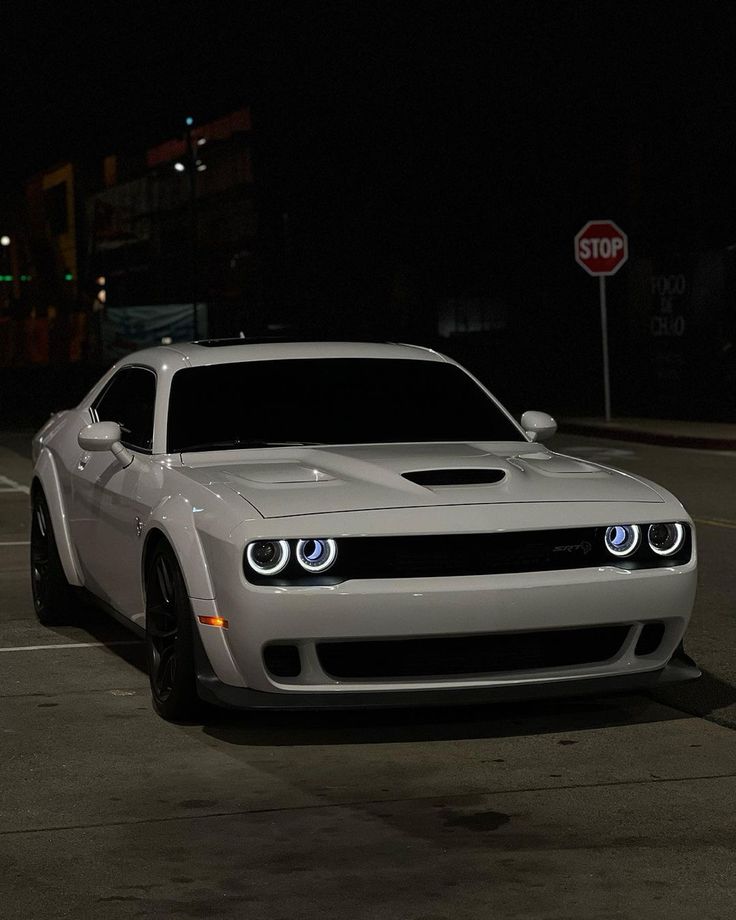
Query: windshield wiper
(247,444)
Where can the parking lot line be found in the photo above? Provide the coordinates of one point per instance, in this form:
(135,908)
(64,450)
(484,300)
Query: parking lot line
(10,485)
(39,648)
(716,522)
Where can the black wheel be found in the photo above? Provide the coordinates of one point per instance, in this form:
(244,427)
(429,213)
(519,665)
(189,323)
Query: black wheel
(52,598)
(169,639)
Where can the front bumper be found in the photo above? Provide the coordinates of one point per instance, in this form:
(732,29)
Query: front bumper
(435,608)
(442,608)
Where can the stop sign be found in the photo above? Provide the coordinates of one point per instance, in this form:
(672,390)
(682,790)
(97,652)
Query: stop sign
(601,247)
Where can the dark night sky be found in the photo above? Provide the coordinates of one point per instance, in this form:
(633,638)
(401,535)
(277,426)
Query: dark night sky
(454,146)
(84,79)
(519,115)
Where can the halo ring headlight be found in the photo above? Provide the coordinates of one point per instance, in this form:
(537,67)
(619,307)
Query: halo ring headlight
(623,539)
(316,555)
(268,557)
(665,539)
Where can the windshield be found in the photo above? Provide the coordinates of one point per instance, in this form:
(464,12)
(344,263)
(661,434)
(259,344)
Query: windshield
(329,401)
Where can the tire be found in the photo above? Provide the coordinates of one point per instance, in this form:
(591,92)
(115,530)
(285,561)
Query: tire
(52,595)
(170,640)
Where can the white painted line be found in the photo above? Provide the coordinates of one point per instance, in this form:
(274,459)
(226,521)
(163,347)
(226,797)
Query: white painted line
(16,543)
(705,450)
(38,648)
(10,485)
(716,522)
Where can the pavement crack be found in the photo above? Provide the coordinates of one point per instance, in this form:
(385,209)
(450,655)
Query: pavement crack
(365,803)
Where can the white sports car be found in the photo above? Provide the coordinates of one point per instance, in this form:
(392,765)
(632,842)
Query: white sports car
(322,524)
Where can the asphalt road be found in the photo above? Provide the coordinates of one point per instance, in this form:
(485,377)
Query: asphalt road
(606,808)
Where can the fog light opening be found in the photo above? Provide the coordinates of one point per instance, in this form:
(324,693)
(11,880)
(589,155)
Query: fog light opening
(282,660)
(650,638)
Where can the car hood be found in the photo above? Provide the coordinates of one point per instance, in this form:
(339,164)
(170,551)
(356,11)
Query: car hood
(286,482)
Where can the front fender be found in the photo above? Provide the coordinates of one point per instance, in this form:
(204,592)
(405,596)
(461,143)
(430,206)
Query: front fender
(174,517)
(47,475)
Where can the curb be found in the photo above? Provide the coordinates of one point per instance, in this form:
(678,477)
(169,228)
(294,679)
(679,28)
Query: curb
(648,437)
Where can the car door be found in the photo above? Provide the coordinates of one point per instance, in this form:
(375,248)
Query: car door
(110,504)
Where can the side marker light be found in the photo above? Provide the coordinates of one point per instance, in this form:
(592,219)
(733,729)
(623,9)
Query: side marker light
(214,621)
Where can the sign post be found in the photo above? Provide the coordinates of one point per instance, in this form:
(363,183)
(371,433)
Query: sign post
(601,248)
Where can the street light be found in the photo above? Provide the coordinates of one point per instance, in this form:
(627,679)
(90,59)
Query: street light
(192,165)
(8,270)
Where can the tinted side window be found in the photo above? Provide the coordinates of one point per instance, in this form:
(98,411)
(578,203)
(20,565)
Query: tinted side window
(129,400)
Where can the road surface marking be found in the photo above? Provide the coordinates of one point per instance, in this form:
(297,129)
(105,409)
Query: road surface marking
(600,453)
(10,485)
(17,543)
(716,522)
(37,648)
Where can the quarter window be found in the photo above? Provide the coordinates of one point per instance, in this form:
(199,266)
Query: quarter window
(129,399)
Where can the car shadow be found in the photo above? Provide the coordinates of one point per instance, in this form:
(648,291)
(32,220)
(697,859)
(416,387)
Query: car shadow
(704,697)
(102,627)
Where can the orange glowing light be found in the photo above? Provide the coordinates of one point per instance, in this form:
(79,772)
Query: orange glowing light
(214,621)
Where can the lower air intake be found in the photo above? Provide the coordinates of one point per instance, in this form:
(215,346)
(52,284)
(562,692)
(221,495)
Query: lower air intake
(466,655)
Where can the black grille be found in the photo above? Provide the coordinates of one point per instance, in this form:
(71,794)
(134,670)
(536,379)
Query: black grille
(455,656)
(469,554)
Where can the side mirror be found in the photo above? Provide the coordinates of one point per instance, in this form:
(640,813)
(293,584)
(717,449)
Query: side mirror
(538,426)
(100,436)
(105,436)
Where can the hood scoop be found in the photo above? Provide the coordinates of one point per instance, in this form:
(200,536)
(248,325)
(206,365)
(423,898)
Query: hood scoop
(462,477)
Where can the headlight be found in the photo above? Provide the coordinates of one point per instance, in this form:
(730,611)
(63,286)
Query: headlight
(623,539)
(268,557)
(665,539)
(316,555)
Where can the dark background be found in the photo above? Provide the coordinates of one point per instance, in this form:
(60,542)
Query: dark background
(411,154)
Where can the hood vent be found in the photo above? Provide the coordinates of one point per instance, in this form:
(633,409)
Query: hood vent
(466,477)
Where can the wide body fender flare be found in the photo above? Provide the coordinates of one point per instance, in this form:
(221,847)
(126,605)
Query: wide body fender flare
(174,519)
(47,475)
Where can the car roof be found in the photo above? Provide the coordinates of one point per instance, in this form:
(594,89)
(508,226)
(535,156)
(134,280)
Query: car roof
(230,351)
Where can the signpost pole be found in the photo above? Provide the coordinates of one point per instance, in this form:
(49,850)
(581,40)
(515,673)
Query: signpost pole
(604,336)
(601,248)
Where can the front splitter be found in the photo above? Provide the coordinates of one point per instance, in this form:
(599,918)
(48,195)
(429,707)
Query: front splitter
(212,690)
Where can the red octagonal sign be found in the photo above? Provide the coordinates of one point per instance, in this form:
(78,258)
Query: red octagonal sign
(601,247)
